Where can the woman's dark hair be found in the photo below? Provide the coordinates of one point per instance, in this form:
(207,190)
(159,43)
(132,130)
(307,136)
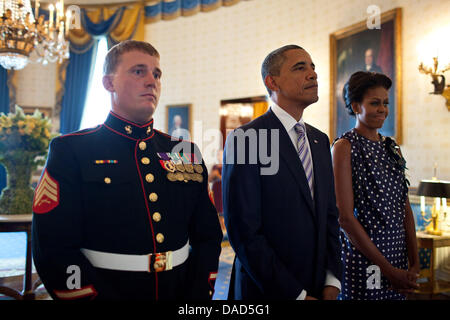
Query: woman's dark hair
(359,83)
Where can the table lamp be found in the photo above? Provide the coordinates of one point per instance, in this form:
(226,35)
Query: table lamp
(437,189)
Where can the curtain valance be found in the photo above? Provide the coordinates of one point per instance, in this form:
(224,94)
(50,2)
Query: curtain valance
(167,10)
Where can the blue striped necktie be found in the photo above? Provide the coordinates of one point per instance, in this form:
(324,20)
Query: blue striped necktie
(304,154)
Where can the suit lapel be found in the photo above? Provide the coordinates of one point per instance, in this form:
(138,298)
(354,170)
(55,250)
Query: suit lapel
(289,154)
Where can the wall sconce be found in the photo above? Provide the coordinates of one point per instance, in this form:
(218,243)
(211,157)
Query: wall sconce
(438,79)
(436,189)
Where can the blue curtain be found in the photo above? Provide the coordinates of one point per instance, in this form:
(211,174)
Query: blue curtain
(104,27)
(80,70)
(4,107)
(161,10)
(4,90)
(78,74)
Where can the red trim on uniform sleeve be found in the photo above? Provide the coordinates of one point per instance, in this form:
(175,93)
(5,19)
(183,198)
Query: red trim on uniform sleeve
(76,294)
(212,280)
(46,195)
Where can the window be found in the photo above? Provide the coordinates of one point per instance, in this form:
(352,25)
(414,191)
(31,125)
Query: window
(98,101)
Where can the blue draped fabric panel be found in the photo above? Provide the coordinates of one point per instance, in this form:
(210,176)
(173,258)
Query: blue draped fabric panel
(104,27)
(4,107)
(80,69)
(160,10)
(78,75)
(4,90)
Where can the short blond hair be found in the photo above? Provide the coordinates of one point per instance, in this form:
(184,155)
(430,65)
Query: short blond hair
(114,54)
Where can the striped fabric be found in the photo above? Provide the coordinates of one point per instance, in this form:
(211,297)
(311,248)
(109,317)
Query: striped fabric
(305,155)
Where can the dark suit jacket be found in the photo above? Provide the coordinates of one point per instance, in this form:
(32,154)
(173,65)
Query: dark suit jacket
(284,241)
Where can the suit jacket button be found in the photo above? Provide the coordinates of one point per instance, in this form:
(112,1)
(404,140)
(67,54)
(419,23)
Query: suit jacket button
(145,160)
(157,217)
(149,178)
(153,197)
(160,238)
(142,145)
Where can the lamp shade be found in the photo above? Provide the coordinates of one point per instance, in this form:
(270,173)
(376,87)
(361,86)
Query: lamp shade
(434,188)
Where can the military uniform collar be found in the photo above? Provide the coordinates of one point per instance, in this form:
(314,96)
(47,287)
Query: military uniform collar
(127,128)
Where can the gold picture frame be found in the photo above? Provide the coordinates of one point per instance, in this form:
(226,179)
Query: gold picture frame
(348,47)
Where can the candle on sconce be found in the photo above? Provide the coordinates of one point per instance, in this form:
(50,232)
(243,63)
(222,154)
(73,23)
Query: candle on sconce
(61,10)
(422,204)
(51,9)
(58,13)
(438,204)
(61,31)
(444,204)
(36,9)
(68,17)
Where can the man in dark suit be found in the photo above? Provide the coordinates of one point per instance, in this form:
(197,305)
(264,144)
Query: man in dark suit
(281,216)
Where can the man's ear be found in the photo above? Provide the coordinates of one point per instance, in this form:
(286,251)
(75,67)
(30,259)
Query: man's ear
(108,83)
(356,107)
(270,83)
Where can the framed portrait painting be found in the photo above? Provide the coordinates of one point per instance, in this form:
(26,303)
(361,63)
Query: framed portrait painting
(179,121)
(358,48)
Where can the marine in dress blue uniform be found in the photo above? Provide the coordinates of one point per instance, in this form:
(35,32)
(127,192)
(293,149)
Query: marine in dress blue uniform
(116,216)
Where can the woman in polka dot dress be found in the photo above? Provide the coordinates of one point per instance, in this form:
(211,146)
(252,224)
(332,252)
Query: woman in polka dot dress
(379,249)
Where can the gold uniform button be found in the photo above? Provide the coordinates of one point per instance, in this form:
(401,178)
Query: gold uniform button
(150,178)
(157,217)
(142,145)
(145,160)
(153,197)
(160,238)
(107,180)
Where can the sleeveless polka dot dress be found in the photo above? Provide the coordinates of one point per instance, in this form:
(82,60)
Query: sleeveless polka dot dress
(380,193)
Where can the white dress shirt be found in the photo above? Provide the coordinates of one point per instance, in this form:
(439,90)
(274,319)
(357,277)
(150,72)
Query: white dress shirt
(289,123)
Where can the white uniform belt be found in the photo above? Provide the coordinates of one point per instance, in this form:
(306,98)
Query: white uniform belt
(153,262)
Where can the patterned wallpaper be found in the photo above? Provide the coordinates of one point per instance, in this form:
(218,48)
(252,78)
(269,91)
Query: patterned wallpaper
(36,85)
(216,56)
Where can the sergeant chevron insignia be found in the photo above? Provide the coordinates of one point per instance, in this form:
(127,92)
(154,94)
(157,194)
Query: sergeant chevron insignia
(46,195)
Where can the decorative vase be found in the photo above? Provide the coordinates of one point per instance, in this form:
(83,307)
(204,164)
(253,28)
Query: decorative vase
(23,139)
(17,196)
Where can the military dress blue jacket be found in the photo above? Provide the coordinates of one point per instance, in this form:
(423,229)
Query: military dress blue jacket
(110,189)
